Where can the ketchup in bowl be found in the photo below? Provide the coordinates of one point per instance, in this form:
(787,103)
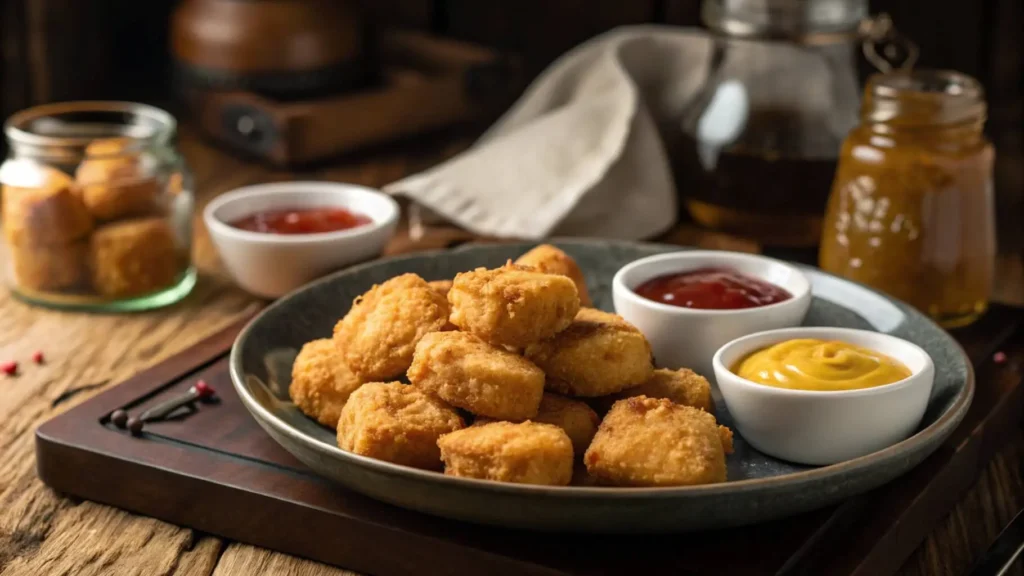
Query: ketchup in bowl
(301,221)
(712,289)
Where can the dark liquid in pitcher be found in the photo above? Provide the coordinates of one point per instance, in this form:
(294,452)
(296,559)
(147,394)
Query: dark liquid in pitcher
(771,197)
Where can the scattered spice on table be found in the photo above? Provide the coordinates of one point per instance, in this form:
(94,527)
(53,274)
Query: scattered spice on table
(999,357)
(9,368)
(38,357)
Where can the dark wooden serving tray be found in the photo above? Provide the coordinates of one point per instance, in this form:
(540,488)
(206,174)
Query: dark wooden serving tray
(216,470)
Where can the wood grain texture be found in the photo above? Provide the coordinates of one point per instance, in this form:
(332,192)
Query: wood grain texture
(44,533)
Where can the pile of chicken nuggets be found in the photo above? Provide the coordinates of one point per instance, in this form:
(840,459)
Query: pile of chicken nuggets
(512,377)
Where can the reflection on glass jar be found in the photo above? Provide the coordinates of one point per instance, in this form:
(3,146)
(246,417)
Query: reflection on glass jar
(96,207)
(911,209)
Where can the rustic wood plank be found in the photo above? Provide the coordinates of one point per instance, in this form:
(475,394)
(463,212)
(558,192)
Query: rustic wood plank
(242,559)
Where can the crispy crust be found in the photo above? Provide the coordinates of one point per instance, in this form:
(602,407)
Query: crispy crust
(598,354)
(47,215)
(550,260)
(378,336)
(683,386)
(134,257)
(471,374)
(512,306)
(321,382)
(524,453)
(397,423)
(655,442)
(47,268)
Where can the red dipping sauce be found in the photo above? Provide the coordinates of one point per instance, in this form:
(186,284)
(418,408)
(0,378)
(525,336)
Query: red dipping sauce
(301,221)
(712,289)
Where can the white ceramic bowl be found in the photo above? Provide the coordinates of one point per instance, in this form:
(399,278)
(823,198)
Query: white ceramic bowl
(687,337)
(821,428)
(271,265)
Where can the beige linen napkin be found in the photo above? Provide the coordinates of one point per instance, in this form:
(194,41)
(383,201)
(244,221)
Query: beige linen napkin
(579,153)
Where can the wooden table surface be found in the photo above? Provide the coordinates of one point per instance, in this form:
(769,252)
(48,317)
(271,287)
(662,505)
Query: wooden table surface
(44,533)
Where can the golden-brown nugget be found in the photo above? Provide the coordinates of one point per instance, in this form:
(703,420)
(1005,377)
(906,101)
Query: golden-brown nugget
(45,215)
(598,354)
(577,419)
(550,260)
(134,257)
(112,181)
(47,268)
(378,336)
(683,386)
(471,374)
(512,306)
(656,442)
(321,382)
(397,423)
(524,453)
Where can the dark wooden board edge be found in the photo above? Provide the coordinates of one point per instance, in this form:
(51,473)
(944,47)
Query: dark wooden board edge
(217,486)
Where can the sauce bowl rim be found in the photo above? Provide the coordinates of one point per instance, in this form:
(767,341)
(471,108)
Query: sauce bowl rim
(281,189)
(619,284)
(927,369)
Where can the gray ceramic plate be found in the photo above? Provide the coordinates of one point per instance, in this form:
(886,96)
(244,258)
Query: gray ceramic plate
(759,487)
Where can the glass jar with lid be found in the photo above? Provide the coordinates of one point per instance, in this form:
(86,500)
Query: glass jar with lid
(96,207)
(754,153)
(911,209)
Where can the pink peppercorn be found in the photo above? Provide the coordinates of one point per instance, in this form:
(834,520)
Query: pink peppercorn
(203,390)
(37,357)
(9,368)
(999,357)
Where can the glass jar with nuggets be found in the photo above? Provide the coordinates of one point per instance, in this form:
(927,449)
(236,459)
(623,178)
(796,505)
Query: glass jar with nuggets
(96,207)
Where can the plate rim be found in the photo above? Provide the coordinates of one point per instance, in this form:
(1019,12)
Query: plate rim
(938,430)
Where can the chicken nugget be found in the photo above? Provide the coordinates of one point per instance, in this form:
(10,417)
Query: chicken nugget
(512,306)
(377,337)
(397,423)
(321,382)
(471,374)
(577,419)
(54,267)
(524,453)
(550,260)
(598,354)
(134,257)
(49,214)
(655,442)
(683,386)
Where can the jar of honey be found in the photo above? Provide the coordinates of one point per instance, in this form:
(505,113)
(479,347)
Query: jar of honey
(911,207)
(96,207)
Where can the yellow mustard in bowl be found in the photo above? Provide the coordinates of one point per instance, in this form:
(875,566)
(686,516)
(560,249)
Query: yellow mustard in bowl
(820,365)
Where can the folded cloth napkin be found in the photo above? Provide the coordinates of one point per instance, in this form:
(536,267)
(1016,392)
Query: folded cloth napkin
(579,153)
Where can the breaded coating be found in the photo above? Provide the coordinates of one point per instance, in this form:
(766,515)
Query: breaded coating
(377,337)
(577,419)
(54,267)
(511,306)
(655,442)
(524,453)
(683,386)
(442,287)
(550,260)
(134,257)
(598,354)
(49,214)
(471,374)
(112,181)
(397,423)
(321,382)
